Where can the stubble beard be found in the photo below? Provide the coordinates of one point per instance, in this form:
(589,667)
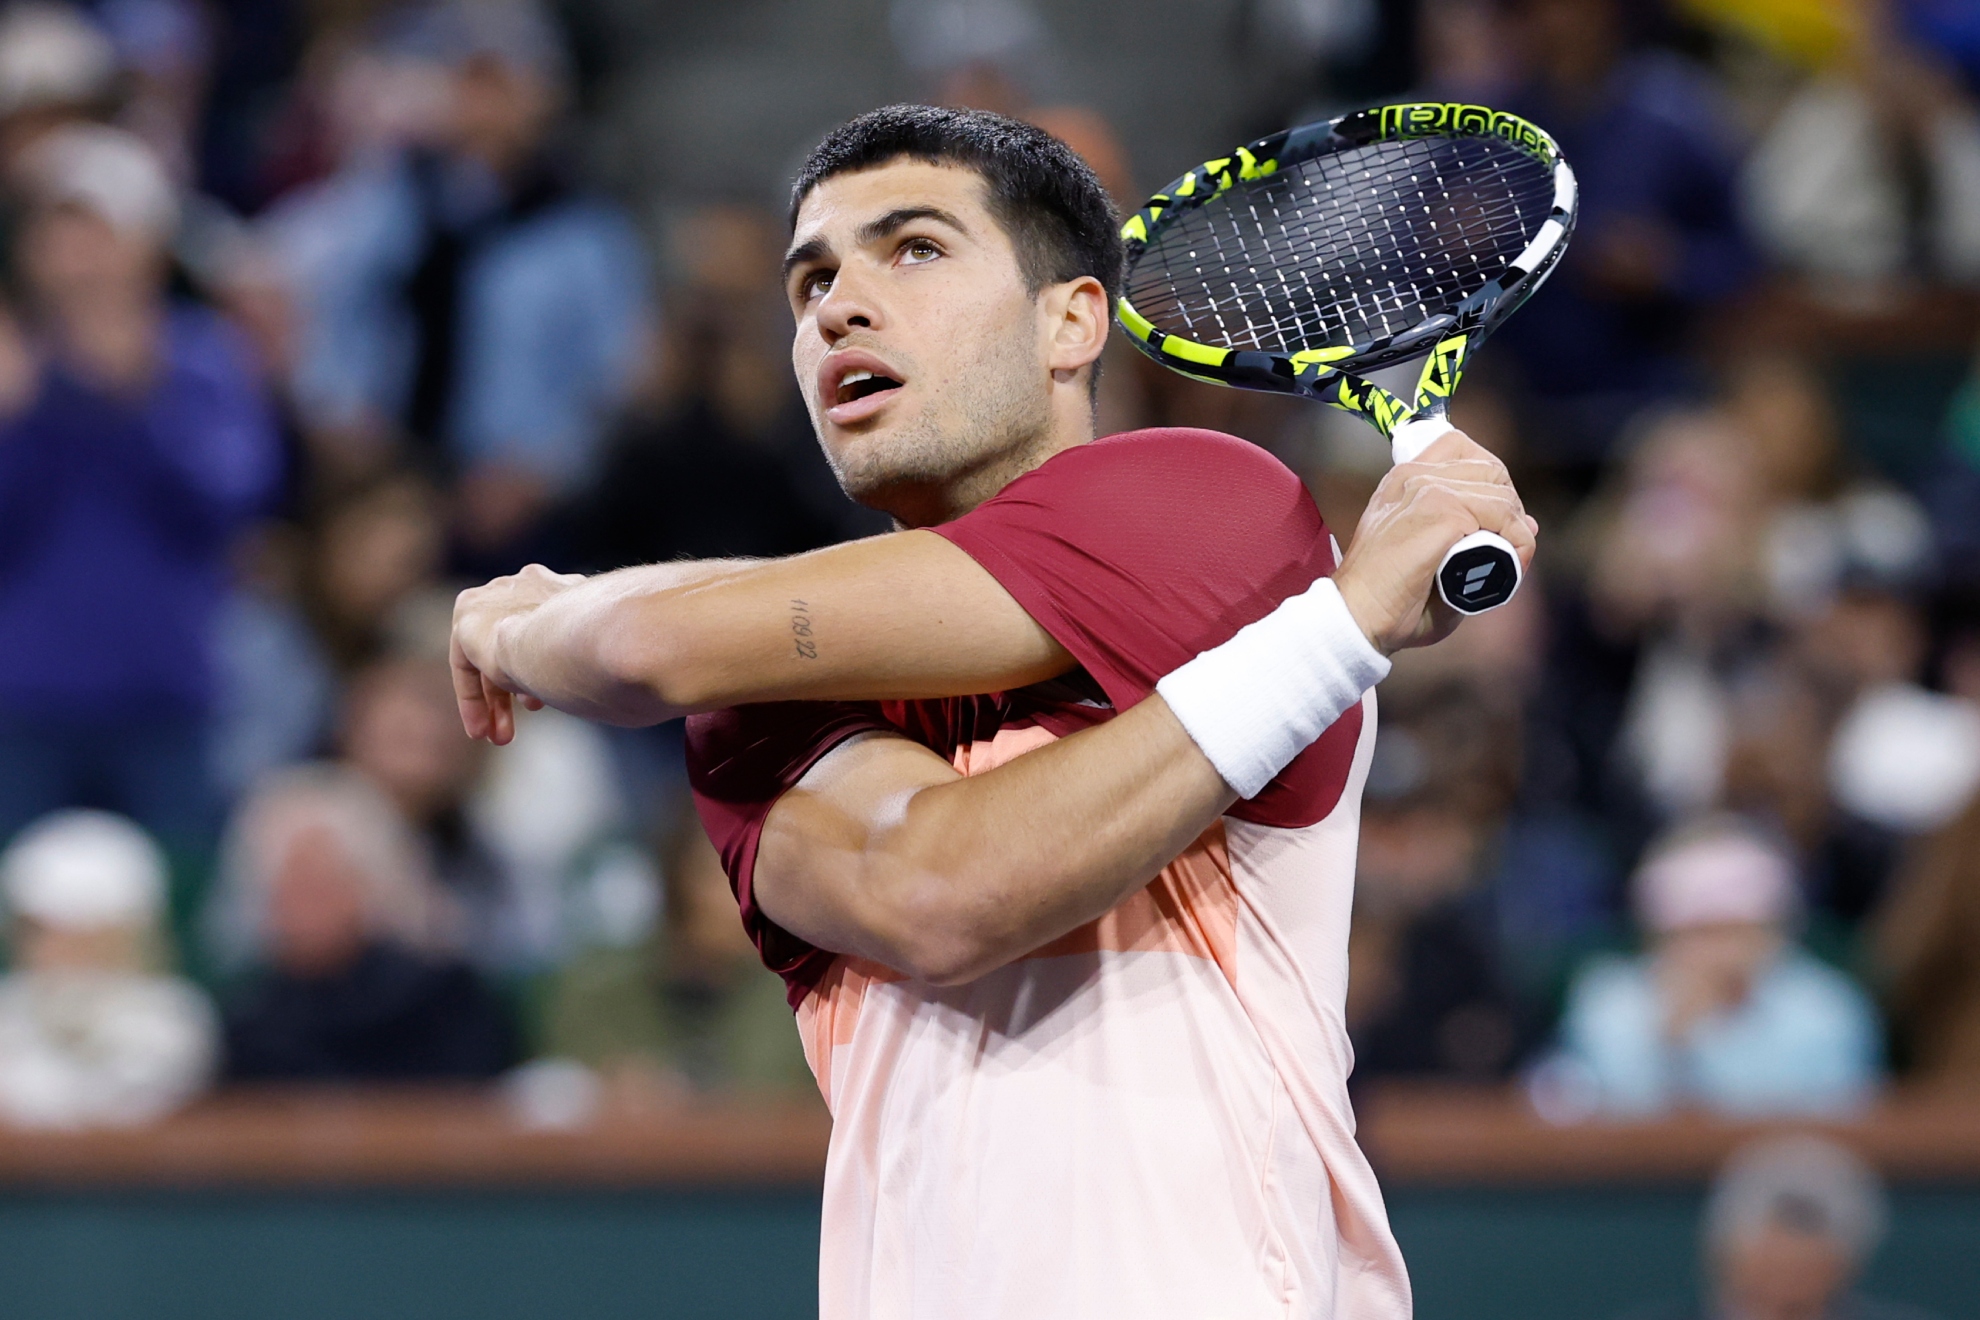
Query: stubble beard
(945,461)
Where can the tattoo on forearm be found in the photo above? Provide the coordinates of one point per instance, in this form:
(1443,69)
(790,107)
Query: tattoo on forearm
(801,638)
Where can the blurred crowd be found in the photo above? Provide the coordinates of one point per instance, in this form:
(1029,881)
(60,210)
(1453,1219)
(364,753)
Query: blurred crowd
(313,313)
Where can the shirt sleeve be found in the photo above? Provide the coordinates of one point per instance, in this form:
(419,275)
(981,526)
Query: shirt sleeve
(740,762)
(1138,551)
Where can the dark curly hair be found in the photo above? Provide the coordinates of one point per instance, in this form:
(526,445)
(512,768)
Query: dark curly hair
(1047,199)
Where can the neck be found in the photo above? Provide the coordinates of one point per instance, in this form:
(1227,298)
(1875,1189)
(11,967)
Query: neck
(1070,425)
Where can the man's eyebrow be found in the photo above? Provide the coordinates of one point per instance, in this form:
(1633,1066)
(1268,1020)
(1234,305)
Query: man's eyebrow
(873,231)
(812,249)
(879,228)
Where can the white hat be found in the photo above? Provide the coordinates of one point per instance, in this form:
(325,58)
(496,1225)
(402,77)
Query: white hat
(108,171)
(83,870)
(1906,758)
(1715,872)
(51,55)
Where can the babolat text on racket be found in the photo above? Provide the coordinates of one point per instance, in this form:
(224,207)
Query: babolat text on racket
(1310,259)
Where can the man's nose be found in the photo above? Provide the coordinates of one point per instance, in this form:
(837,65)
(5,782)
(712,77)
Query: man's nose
(850,304)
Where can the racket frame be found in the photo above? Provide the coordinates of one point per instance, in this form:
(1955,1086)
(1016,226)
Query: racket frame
(1335,374)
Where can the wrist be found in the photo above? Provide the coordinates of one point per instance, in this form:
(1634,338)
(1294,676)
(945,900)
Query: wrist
(1254,703)
(1362,608)
(504,650)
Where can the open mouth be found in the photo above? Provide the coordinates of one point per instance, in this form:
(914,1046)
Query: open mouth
(861,384)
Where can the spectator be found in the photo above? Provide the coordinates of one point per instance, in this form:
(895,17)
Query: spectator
(1925,941)
(402,731)
(466,294)
(56,68)
(134,448)
(1791,1224)
(375,549)
(1869,174)
(327,901)
(724,462)
(684,1006)
(1658,240)
(1427,996)
(1724,1011)
(91,1031)
(276,685)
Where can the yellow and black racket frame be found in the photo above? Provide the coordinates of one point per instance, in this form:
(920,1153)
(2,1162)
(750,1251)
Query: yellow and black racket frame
(1334,374)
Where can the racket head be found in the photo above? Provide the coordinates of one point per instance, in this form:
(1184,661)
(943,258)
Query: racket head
(1311,257)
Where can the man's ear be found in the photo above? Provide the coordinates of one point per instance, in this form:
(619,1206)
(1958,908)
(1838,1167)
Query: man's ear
(1076,320)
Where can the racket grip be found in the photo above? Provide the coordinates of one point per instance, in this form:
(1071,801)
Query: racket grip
(1416,435)
(1479,573)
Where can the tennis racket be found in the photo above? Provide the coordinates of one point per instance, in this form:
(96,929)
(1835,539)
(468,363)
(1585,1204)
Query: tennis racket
(1311,259)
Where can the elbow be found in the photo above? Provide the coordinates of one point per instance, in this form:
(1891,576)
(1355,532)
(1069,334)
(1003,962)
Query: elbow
(947,962)
(932,932)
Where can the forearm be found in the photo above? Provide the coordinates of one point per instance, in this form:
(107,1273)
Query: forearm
(889,854)
(959,876)
(892,617)
(571,651)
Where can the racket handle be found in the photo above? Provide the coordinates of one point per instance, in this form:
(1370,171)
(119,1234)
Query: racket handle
(1479,573)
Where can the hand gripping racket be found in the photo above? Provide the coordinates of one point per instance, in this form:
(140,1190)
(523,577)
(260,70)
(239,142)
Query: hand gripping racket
(1310,259)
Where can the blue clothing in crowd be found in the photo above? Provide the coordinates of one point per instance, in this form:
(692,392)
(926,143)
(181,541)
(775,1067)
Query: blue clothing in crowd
(498,324)
(1805,1041)
(117,516)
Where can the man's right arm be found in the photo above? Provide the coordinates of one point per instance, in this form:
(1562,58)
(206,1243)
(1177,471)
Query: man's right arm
(884,850)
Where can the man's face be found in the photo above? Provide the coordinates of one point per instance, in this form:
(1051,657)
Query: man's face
(70,252)
(922,356)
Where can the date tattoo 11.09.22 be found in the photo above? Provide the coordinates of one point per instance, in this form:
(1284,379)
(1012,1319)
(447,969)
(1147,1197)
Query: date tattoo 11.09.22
(801,638)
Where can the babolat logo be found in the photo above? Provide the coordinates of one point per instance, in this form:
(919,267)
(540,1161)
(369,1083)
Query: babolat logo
(1425,118)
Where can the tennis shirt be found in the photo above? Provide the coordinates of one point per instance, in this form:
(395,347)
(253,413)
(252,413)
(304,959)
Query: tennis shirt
(1149,1116)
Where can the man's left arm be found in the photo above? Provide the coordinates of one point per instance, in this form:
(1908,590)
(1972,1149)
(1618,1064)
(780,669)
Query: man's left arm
(905,616)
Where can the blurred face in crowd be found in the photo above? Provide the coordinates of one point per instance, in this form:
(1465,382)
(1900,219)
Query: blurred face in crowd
(316,906)
(1703,971)
(376,549)
(1781,1272)
(1573,42)
(71,255)
(929,367)
(500,112)
(45,949)
(402,731)
(1789,423)
(1865,638)
(1682,539)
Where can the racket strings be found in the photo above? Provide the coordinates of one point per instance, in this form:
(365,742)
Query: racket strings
(1345,249)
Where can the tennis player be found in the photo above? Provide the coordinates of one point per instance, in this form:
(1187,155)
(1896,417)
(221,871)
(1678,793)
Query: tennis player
(1045,805)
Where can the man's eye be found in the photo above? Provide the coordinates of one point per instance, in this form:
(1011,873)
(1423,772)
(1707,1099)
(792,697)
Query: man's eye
(920,249)
(817,283)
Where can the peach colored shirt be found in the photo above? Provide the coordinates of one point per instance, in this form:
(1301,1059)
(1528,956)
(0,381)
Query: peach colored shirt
(1148,1117)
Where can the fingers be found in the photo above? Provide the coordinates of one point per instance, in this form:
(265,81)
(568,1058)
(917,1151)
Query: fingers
(468,691)
(1461,507)
(501,712)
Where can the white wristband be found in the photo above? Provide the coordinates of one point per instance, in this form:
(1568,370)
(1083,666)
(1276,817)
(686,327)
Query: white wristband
(1258,700)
